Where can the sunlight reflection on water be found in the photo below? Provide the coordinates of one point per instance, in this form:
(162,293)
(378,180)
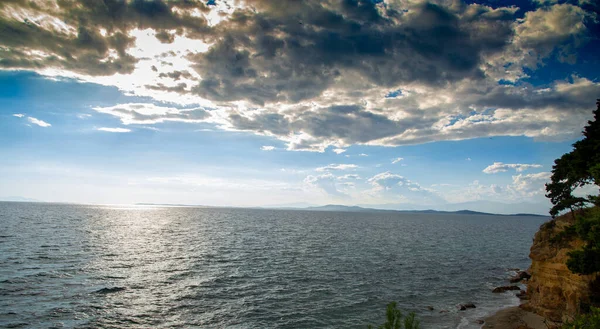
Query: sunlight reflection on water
(140,266)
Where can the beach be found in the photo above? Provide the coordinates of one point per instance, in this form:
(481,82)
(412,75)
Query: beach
(514,318)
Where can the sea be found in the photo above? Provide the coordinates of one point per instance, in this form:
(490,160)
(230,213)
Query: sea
(103,266)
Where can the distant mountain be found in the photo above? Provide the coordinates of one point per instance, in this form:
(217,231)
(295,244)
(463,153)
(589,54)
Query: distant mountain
(291,205)
(172,205)
(342,208)
(335,207)
(483,206)
(18,199)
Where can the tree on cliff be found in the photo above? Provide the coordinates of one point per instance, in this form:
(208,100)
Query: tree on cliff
(573,170)
(576,169)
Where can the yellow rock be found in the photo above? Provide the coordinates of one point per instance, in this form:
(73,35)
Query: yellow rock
(554,291)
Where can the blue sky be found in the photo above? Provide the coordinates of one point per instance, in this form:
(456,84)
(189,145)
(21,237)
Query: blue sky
(396,104)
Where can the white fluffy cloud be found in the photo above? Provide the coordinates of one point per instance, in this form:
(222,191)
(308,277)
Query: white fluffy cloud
(497,167)
(267,148)
(531,184)
(396,160)
(114,130)
(147,113)
(334,166)
(326,182)
(559,26)
(18,115)
(394,188)
(348,176)
(38,122)
(522,188)
(339,151)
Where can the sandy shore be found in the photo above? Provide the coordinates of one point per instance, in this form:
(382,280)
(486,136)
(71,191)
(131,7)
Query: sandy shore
(514,318)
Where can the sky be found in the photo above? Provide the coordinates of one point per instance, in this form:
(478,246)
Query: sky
(404,104)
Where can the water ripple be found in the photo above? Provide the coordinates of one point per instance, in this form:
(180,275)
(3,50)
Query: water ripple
(137,267)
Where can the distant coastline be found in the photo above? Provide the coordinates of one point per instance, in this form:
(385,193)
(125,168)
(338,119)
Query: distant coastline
(342,208)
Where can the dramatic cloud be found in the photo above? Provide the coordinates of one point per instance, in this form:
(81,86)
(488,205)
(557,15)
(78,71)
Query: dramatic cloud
(337,167)
(559,26)
(267,148)
(38,122)
(114,130)
(503,167)
(316,74)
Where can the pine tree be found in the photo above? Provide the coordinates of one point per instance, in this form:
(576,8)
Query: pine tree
(576,169)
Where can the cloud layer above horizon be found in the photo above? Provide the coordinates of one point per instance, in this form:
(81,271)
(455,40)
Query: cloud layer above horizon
(315,74)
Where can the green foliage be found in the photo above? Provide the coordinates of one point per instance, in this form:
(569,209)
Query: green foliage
(585,321)
(395,320)
(576,169)
(564,236)
(586,228)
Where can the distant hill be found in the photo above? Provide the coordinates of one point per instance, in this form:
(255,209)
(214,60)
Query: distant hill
(342,208)
(18,199)
(485,206)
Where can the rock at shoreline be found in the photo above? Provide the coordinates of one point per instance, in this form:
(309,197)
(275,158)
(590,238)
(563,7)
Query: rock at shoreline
(505,288)
(522,294)
(464,307)
(521,275)
(430,308)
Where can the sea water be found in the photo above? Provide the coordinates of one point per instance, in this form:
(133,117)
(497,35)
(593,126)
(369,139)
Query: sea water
(88,266)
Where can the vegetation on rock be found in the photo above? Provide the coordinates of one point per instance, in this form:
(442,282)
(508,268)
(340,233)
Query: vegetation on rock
(573,170)
(395,319)
(585,321)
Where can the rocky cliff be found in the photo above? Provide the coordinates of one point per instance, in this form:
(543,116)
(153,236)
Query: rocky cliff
(554,291)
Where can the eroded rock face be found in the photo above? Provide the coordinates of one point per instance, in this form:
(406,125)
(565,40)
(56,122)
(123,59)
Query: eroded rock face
(554,291)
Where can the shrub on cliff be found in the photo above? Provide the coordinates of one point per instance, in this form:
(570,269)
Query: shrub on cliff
(576,169)
(587,228)
(395,319)
(585,321)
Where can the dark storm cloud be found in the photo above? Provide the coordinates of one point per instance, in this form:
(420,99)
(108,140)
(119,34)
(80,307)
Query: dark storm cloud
(315,73)
(293,50)
(345,123)
(271,51)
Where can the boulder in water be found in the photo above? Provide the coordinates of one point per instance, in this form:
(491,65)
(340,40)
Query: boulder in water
(465,306)
(505,288)
(522,294)
(521,275)
(109,290)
